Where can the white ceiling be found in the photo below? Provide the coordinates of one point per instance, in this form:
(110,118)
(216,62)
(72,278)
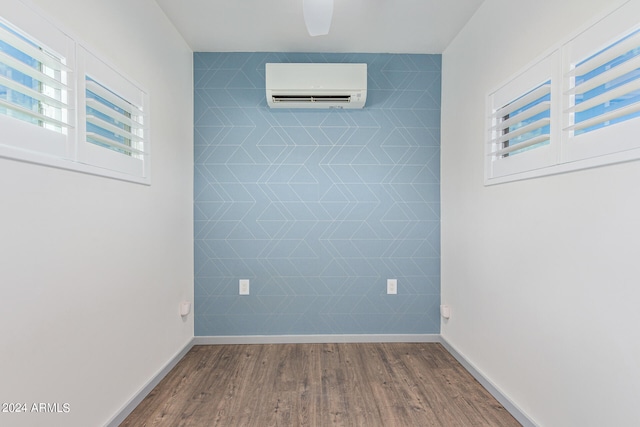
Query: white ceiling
(381,26)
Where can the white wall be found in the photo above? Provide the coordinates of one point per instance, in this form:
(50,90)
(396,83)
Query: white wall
(542,275)
(92,269)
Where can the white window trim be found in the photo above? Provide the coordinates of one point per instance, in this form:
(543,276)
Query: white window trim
(590,152)
(91,155)
(22,141)
(541,157)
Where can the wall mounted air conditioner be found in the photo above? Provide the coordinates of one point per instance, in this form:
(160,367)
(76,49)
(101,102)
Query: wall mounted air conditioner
(316,85)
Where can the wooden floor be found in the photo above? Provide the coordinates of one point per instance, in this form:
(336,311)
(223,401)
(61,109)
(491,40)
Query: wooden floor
(319,385)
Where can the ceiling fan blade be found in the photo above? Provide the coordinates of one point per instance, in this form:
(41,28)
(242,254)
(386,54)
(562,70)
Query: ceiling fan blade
(317,16)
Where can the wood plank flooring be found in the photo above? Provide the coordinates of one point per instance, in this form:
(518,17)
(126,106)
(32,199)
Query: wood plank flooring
(370,385)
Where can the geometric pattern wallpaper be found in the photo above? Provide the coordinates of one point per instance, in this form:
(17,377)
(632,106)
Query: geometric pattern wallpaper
(317,208)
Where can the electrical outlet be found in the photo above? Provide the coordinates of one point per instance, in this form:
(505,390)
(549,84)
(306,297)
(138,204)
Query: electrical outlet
(392,286)
(185,308)
(445,311)
(244,287)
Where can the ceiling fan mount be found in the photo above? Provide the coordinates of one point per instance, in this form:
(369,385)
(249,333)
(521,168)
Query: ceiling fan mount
(317,16)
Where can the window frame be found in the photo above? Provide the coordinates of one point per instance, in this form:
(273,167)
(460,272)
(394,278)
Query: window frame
(32,143)
(110,162)
(497,167)
(592,41)
(24,141)
(571,152)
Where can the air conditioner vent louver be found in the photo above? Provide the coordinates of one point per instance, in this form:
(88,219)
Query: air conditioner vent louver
(316,85)
(312,98)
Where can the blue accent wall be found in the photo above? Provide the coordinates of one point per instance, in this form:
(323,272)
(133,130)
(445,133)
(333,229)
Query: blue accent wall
(318,208)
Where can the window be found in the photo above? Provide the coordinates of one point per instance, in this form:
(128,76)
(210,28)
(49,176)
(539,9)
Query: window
(62,106)
(525,123)
(606,86)
(578,107)
(112,119)
(34,82)
(36,106)
(521,123)
(602,90)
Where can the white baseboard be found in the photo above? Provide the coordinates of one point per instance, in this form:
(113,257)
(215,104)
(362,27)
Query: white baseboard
(123,413)
(511,407)
(313,339)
